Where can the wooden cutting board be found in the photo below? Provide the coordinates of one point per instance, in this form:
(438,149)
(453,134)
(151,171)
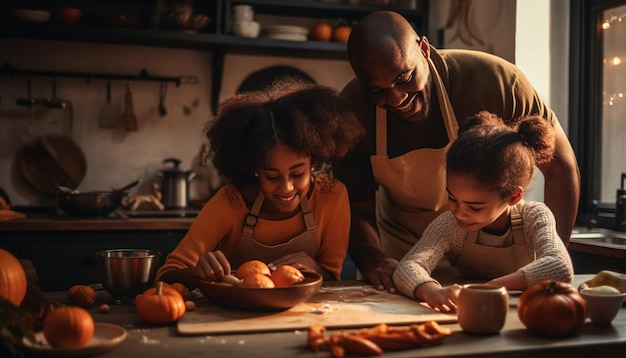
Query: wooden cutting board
(332,306)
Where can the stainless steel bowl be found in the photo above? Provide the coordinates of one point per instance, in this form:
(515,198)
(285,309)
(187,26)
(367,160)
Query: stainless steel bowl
(125,273)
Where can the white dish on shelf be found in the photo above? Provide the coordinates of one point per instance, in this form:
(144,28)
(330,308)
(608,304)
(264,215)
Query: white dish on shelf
(106,336)
(286,29)
(286,32)
(289,37)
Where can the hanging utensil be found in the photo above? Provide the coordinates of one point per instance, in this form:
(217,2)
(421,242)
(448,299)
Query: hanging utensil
(128,118)
(162,95)
(108,116)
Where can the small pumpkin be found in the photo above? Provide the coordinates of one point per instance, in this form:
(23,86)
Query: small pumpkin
(160,305)
(341,33)
(553,309)
(13,281)
(182,289)
(68,327)
(82,295)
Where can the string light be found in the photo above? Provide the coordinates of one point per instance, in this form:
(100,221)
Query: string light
(615,97)
(606,23)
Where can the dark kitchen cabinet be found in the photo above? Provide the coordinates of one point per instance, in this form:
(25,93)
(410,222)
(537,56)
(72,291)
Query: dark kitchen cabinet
(66,258)
(133,22)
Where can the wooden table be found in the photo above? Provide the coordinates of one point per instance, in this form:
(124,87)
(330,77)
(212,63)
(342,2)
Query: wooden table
(513,341)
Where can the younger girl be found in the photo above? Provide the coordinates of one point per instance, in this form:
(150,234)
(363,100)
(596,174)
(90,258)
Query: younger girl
(490,233)
(266,144)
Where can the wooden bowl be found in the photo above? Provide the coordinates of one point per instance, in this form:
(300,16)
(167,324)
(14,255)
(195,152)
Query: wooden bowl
(262,299)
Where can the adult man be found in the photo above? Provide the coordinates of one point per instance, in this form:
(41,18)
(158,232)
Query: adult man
(409,96)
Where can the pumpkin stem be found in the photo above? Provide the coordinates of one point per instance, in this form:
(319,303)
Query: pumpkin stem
(552,287)
(159,288)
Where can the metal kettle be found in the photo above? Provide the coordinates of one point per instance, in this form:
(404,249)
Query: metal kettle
(175,187)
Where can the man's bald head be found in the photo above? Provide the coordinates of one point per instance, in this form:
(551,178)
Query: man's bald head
(379,31)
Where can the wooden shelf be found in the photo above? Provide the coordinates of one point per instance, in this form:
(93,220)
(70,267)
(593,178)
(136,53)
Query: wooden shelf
(214,38)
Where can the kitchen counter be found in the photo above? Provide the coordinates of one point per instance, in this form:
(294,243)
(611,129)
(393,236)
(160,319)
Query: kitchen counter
(514,341)
(172,220)
(66,246)
(596,249)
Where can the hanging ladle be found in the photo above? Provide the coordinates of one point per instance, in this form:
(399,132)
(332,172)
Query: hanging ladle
(162,95)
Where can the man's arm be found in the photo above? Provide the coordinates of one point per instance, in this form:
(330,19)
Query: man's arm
(365,250)
(562,184)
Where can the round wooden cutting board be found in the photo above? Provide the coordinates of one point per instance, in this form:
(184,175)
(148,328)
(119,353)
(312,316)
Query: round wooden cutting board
(51,161)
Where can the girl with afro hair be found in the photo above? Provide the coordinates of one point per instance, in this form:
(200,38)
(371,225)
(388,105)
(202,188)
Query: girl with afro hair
(490,233)
(275,206)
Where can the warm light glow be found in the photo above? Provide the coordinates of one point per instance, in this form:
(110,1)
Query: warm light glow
(616,60)
(606,24)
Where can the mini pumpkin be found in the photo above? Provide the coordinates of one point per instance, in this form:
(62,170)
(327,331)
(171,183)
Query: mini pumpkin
(553,309)
(182,289)
(13,281)
(160,305)
(82,295)
(68,327)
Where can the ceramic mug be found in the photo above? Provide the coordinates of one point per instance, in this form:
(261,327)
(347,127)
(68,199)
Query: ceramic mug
(246,28)
(482,308)
(243,13)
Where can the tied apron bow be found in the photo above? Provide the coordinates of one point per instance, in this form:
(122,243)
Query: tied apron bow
(488,262)
(412,187)
(250,249)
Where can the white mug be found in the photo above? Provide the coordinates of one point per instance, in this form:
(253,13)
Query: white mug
(246,28)
(482,308)
(243,13)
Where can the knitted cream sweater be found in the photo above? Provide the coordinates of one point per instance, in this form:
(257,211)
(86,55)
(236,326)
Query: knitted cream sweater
(444,237)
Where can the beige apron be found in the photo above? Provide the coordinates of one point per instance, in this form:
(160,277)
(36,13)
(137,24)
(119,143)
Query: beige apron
(412,187)
(250,249)
(489,262)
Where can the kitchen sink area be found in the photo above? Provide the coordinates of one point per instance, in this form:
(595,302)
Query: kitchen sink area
(595,249)
(599,236)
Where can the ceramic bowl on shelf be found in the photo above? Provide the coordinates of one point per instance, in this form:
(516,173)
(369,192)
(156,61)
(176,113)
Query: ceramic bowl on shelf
(31,15)
(68,15)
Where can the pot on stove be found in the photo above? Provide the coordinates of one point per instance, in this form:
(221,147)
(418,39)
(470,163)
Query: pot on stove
(175,186)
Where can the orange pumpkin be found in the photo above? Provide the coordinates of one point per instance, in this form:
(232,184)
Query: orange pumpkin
(160,305)
(322,31)
(12,278)
(341,33)
(553,309)
(82,295)
(182,289)
(68,327)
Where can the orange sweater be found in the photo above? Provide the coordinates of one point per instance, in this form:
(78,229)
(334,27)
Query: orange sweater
(221,221)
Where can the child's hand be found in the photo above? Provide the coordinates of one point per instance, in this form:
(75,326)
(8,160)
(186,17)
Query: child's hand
(442,299)
(212,266)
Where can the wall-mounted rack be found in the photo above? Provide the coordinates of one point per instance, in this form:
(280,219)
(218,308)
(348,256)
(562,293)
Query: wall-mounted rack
(142,76)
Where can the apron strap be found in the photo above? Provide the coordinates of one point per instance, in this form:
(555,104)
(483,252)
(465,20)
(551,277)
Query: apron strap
(471,236)
(447,112)
(309,219)
(253,215)
(381,131)
(517,226)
